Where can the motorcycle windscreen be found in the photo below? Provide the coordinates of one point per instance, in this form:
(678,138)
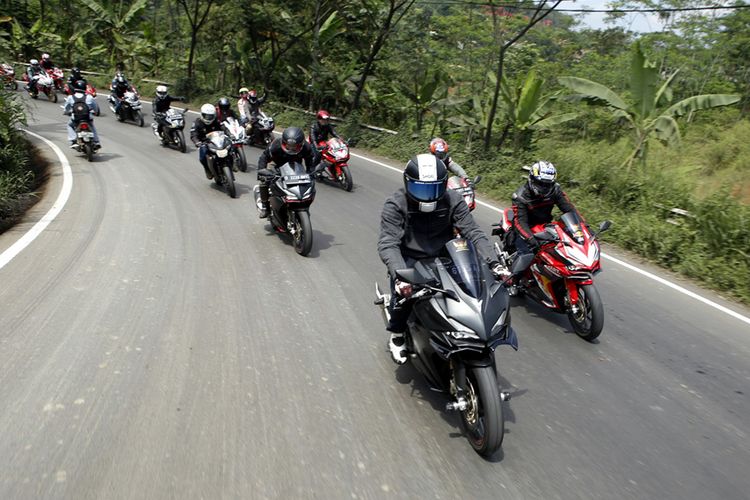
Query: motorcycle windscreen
(572,224)
(464,267)
(292,168)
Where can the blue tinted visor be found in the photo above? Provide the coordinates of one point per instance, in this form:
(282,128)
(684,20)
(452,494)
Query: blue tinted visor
(425,191)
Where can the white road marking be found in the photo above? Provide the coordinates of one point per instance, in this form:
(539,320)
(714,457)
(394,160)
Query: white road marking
(53,212)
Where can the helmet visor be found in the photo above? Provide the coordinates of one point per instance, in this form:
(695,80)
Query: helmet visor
(291,147)
(425,191)
(542,188)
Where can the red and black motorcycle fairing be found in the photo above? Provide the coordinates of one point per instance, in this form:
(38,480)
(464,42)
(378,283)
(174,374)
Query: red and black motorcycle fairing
(291,192)
(335,162)
(560,276)
(57,77)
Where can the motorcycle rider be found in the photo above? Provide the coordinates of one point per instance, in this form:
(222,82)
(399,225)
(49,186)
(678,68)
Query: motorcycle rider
(75,75)
(532,204)
(439,148)
(34,71)
(224,110)
(249,105)
(416,222)
(79,113)
(290,147)
(46,63)
(119,86)
(320,131)
(202,125)
(162,101)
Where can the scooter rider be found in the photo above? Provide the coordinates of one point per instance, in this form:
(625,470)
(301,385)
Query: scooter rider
(291,147)
(161,105)
(79,113)
(202,125)
(439,148)
(416,222)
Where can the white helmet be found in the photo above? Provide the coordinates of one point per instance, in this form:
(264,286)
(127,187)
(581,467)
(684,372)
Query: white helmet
(34,62)
(45,57)
(208,113)
(161,91)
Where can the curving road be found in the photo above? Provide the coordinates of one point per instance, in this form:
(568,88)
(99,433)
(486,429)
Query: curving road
(158,341)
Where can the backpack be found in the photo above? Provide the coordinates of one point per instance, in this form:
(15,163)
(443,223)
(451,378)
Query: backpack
(80,110)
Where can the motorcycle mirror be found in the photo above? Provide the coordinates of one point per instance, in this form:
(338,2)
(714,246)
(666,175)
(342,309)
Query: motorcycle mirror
(477,179)
(605,225)
(352,143)
(526,168)
(265,174)
(411,276)
(521,263)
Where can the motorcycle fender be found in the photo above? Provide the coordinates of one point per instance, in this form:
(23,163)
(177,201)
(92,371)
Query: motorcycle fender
(477,362)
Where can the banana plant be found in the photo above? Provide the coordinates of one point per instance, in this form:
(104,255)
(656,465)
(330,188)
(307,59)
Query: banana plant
(526,110)
(115,27)
(648,111)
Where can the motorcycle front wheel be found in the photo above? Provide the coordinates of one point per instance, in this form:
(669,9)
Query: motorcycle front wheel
(14,85)
(346,179)
(589,319)
(139,118)
(229,179)
(52,96)
(483,419)
(302,233)
(179,138)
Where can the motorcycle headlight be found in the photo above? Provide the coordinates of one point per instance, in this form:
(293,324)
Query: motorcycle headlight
(461,332)
(222,153)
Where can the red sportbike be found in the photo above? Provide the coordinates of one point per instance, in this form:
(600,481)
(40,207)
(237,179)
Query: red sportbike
(561,275)
(90,90)
(8,76)
(335,162)
(58,78)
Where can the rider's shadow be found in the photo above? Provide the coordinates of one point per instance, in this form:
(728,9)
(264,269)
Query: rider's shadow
(321,241)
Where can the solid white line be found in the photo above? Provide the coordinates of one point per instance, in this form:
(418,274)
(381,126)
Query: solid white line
(642,272)
(53,212)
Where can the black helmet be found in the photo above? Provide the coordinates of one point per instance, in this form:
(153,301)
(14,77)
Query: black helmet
(425,179)
(75,72)
(292,140)
(542,177)
(79,85)
(224,104)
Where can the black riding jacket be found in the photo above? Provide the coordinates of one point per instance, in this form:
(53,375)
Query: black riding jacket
(530,210)
(279,157)
(320,132)
(200,130)
(405,232)
(162,104)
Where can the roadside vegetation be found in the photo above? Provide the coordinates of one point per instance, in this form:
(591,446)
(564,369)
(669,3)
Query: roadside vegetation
(637,124)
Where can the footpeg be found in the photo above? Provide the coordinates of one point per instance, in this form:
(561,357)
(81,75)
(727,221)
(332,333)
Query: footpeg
(504,396)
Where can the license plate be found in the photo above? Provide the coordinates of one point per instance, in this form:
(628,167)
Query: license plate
(86,135)
(297,179)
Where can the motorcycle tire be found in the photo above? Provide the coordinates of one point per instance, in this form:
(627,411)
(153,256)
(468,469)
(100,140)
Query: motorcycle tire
(139,118)
(180,140)
(52,96)
(14,85)
(229,179)
(483,419)
(589,321)
(89,150)
(303,237)
(346,179)
(242,159)
(120,117)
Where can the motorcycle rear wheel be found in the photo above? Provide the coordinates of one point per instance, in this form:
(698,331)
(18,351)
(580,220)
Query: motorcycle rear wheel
(89,150)
(589,320)
(346,179)
(52,96)
(180,140)
(302,233)
(229,179)
(483,419)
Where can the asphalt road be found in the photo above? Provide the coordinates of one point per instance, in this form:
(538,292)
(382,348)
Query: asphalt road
(158,341)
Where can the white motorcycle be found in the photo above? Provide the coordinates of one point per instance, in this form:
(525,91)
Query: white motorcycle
(130,108)
(236,134)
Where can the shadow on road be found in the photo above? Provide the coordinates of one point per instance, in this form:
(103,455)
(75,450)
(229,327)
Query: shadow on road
(537,310)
